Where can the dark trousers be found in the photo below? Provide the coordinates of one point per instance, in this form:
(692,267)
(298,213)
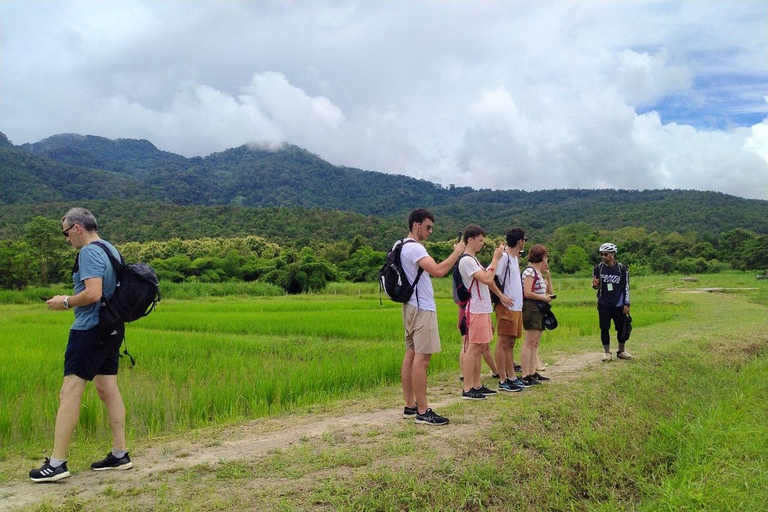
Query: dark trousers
(606,314)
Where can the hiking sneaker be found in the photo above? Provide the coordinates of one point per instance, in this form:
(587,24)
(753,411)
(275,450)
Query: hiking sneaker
(530,381)
(410,412)
(494,375)
(518,368)
(472,394)
(538,376)
(517,383)
(461,378)
(541,367)
(48,473)
(607,357)
(112,462)
(431,418)
(623,355)
(509,387)
(484,390)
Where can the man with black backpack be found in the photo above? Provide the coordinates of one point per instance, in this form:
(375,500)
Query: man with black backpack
(611,280)
(422,338)
(92,354)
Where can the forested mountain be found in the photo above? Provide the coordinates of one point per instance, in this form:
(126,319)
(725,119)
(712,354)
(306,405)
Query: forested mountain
(148,194)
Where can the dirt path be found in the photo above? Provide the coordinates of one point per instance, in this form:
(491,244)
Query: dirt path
(164,459)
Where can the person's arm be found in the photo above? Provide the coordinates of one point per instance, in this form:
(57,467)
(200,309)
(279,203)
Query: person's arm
(90,295)
(595,278)
(547,278)
(626,291)
(435,269)
(507,301)
(484,275)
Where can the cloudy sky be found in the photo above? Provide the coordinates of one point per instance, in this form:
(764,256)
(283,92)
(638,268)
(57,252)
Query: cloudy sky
(519,94)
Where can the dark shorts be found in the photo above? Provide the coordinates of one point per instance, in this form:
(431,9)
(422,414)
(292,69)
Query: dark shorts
(90,353)
(533,320)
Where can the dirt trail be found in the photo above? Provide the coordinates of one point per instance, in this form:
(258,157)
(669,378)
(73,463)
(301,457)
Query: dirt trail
(252,440)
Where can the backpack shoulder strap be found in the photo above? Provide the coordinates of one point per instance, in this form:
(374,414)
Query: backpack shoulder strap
(420,270)
(117,265)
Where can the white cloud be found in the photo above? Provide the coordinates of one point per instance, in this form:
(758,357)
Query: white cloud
(524,95)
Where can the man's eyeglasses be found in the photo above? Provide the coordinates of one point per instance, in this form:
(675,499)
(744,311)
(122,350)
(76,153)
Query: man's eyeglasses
(66,231)
(428,227)
(605,254)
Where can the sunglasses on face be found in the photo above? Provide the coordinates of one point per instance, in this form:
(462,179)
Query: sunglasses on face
(66,231)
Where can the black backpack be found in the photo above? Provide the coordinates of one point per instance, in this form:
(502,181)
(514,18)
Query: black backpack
(495,299)
(460,293)
(461,296)
(136,294)
(392,279)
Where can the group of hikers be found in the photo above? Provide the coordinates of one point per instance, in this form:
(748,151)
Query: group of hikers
(522,309)
(92,354)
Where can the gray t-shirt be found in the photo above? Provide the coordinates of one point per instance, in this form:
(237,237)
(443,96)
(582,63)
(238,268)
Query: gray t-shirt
(93,262)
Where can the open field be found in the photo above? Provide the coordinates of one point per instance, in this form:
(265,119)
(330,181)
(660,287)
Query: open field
(292,403)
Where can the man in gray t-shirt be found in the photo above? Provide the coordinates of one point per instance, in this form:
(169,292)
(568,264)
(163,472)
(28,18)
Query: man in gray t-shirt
(92,354)
(419,316)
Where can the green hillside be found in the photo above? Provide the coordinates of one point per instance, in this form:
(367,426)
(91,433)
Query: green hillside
(149,194)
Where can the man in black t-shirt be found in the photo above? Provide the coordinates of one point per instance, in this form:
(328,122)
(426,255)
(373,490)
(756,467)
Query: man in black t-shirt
(611,280)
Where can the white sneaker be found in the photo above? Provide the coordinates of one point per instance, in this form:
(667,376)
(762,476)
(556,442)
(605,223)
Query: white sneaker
(606,357)
(624,355)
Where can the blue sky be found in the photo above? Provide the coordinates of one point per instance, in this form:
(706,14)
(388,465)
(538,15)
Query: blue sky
(517,94)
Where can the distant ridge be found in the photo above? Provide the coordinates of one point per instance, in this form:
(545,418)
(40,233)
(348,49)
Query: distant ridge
(71,168)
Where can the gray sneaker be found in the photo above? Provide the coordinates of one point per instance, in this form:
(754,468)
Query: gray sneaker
(410,412)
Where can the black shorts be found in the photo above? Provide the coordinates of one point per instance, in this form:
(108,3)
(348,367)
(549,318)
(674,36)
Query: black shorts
(90,353)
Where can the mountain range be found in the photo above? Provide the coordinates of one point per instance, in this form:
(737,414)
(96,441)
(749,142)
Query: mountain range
(241,182)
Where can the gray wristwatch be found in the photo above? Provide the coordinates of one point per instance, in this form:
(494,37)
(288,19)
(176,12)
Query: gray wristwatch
(66,302)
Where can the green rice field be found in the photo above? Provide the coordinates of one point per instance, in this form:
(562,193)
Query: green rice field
(218,360)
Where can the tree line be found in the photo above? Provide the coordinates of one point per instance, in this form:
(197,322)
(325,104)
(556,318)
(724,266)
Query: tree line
(40,257)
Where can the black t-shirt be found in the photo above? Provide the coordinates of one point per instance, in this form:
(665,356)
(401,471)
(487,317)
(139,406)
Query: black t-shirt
(613,289)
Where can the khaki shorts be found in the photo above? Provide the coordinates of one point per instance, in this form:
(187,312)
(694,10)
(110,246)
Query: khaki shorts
(533,320)
(480,328)
(509,323)
(421,334)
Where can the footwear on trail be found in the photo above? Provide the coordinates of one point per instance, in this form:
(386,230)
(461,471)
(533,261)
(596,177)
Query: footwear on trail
(537,376)
(509,387)
(410,412)
(531,381)
(541,367)
(607,357)
(623,355)
(517,383)
(431,418)
(484,390)
(518,368)
(472,394)
(112,462)
(495,375)
(48,473)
